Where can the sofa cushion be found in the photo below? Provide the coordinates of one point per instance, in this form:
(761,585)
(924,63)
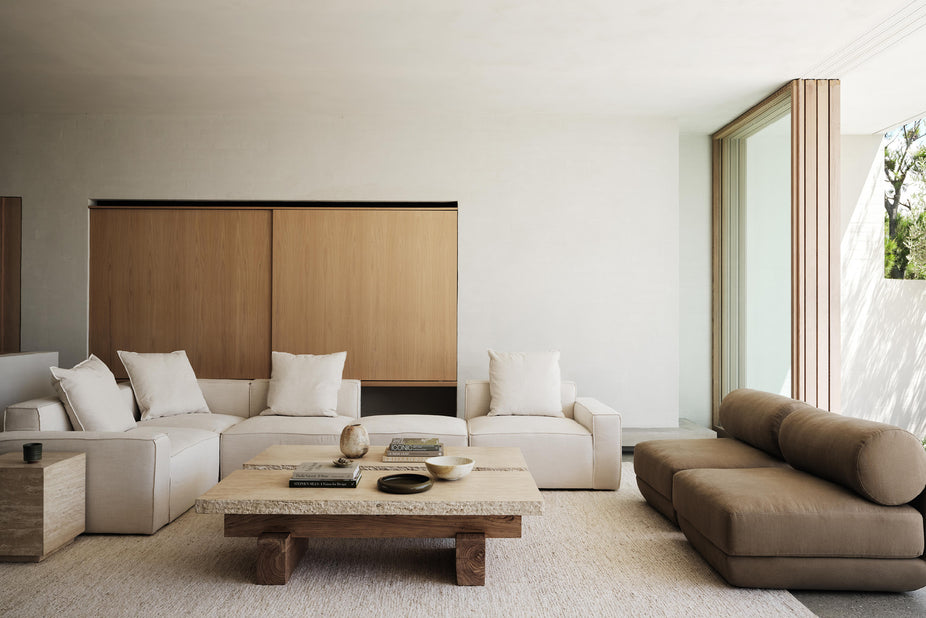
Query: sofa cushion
(181,438)
(243,441)
(558,451)
(384,427)
(881,462)
(216,423)
(224,396)
(91,397)
(785,512)
(657,461)
(524,384)
(194,463)
(305,384)
(755,417)
(164,384)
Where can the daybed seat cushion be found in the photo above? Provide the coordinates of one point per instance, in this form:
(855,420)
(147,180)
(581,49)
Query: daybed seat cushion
(558,450)
(383,428)
(766,527)
(243,441)
(216,423)
(655,463)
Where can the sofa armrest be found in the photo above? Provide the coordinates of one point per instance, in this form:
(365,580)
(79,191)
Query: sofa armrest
(605,425)
(128,475)
(43,414)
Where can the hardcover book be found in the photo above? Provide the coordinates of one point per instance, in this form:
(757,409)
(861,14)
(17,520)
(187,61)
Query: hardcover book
(347,483)
(410,457)
(414,444)
(326,471)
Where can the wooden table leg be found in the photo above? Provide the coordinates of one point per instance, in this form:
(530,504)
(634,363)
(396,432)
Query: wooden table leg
(278,553)
(471,559)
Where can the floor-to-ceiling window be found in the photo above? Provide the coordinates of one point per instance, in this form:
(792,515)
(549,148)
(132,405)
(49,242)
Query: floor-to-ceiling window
(775,246)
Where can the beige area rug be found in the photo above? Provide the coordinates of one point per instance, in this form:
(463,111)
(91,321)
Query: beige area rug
(591,553)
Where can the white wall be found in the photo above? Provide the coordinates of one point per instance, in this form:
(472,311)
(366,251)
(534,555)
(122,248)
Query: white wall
(883,320)
(568,226)
(694,242)
(25,376)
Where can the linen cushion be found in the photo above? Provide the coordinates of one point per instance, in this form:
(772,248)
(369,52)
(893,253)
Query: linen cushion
(216,423)
(559,451)
(524,384)
(91,397)
(881,462)
(164,384)
(304,384)
(382,428)
(755,417)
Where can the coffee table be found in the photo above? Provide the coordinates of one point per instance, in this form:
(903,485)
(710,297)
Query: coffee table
(488,503)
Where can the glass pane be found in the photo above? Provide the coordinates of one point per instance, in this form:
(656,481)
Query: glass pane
(766,260)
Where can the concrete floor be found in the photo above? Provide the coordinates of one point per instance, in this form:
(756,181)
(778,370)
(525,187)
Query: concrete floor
(828,604)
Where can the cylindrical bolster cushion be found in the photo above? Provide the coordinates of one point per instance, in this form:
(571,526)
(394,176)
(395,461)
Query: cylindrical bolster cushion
(754,417)
(882,463)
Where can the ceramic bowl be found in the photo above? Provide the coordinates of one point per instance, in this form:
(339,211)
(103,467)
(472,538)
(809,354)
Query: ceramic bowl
(449,468)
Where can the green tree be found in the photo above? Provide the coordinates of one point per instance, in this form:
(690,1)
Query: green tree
(915,243)
(904,162)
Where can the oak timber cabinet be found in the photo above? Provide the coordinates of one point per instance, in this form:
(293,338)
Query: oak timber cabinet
(229,283)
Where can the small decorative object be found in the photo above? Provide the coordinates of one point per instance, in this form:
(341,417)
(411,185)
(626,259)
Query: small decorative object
(342,462)
(404,483)
(355,441)
(32,452)
(449,468)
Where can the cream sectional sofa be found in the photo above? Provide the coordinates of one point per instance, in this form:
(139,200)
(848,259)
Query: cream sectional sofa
(143,478)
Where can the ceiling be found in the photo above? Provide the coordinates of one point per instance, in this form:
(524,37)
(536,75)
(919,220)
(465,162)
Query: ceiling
(701,63)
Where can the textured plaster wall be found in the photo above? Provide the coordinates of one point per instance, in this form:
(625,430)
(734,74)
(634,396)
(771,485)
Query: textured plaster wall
(883,320)
(694,243)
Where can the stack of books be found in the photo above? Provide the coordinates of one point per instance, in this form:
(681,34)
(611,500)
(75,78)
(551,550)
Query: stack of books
(413,449)
(325,474)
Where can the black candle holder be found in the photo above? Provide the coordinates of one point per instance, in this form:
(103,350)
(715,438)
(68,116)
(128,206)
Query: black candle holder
(32,452)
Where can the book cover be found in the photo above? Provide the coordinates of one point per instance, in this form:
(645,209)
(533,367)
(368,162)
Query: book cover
(323,471)
(414,444)
(347,483)
(409,457)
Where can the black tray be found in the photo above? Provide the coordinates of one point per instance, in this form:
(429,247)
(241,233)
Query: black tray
(404,483)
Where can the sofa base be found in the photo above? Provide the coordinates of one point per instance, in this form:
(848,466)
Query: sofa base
(860,574)
(657,500)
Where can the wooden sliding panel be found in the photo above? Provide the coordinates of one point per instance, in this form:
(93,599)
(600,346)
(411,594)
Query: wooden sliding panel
(10,272)
(380,284)
(176,279)
(816,307)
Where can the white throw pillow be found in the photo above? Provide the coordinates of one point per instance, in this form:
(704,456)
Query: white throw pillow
(164,384)
(525,384)
(304,384)
(91,397)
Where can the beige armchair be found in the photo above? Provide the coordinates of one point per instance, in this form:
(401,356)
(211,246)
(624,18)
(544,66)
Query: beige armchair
(581,450)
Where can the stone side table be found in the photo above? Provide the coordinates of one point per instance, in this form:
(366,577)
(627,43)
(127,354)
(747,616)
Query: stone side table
(42,505)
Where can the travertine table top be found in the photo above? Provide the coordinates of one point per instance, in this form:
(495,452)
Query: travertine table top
(288,456)
(267,492)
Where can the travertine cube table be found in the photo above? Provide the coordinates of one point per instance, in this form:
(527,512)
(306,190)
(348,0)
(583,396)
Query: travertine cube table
(42,504)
